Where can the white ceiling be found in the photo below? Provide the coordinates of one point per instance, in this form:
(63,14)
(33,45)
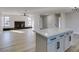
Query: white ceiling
(41,10)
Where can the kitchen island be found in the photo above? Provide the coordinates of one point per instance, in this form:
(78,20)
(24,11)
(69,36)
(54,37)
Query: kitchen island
(53,40)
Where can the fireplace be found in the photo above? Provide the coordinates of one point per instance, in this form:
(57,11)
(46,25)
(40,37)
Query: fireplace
(19,24)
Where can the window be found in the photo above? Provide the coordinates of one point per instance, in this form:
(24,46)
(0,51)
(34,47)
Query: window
(29,21)
(6,21)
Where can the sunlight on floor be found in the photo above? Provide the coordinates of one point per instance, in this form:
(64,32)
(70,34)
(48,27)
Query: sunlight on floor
(17,31)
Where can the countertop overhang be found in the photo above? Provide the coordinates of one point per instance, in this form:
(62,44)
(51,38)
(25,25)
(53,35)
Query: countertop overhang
(52,31)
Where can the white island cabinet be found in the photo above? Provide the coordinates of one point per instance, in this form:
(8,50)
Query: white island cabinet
(53,40)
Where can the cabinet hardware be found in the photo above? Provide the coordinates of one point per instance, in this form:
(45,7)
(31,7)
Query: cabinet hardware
(61,35)
(53,39)
(69,38)
(58,45)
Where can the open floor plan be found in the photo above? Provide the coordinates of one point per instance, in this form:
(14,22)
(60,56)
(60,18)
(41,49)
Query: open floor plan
(39,29)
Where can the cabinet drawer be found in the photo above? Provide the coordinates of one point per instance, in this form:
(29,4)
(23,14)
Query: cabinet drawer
(61,36)
(50,41)
(60,45)
(52,46)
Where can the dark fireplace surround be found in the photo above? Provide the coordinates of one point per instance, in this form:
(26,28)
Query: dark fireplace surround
(19,24)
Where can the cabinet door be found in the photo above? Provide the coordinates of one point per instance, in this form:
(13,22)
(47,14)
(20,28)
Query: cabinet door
(60,45)
(67,42)
(56,45)
(52,45)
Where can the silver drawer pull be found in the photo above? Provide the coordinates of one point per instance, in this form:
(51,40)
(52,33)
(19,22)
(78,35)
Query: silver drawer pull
(61,35)
(69,38)
(53,39)
(58,45)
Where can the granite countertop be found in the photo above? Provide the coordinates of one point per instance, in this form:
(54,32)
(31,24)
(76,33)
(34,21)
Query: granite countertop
(52,31)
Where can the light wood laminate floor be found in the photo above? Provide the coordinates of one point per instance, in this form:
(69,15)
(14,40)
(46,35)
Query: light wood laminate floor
(17,40)
(24,41)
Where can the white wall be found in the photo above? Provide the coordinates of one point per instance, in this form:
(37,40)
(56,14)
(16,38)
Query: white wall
(14,18)
(1,28)
(36,19)
(51,21)
(54,22)
(72,21)
(18,18)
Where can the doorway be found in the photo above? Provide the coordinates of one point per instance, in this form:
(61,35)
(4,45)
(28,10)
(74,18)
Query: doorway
(43,21)
(58,20)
